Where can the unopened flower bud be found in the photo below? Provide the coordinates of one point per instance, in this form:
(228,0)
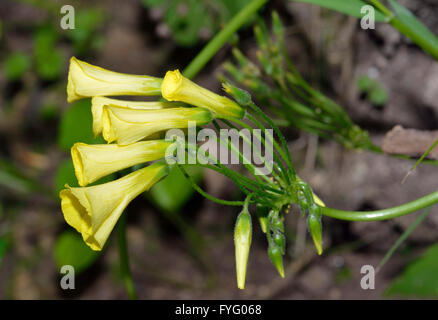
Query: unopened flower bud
(275,255)
(315,228)
(242,244)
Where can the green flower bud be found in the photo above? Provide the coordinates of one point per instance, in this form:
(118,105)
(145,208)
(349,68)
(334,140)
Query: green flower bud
(315,227)
(242,244)
(275,255)
(262,214)
(280,241)
(278,225)
(241,96)
(277,25)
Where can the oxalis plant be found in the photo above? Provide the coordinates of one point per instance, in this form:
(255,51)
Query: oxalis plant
(132,130)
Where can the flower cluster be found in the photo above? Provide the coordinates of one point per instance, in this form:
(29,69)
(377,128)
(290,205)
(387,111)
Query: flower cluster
(94,210)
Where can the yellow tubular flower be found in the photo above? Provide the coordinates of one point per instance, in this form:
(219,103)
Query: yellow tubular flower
(127,125)
(94,211)
(176,87)
(86,80)
(97,104)
(93,162)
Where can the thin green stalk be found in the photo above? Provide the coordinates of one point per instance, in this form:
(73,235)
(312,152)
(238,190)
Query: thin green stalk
(384,214)
(378,150)
(124,258)
(279,134)
(277,147)
(222,37)
(240,180)
(205,194)
(248,184)
(403,237)
(247,140)
(248,165)
(420,160)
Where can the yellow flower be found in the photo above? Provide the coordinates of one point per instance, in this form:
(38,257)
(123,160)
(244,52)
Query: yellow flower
(94,211)
(86,80)
(176,87)
(93,162)
(97,104)
(127,125)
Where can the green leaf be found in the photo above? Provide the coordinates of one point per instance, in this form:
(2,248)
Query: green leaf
(84,37)
(16,64)
(173,192)
(49,61)
(76,126)
(365,83)
(70,249)
(349,7)
(378,96)
(414,29)
(374,89)
(420,277)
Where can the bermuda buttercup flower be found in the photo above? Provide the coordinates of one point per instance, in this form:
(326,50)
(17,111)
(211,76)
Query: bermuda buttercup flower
(92,162)
(128,125)
(176,87)
(94,211)
(97,104)
(86,80)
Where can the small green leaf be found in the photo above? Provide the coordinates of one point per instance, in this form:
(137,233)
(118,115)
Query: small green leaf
(76,126)
(419,278)
(350,7)
(16,64)
(174,191)
(48,59)
(378,96)
(85,37)
(70,249)
(365,83)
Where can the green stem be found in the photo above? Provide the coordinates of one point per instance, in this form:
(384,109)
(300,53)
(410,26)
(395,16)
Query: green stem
(248,165)
(248,141)
(279,134)
(124,258)
(403,237)
(205,194)
(221,38)
(384,214)
(277,147)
